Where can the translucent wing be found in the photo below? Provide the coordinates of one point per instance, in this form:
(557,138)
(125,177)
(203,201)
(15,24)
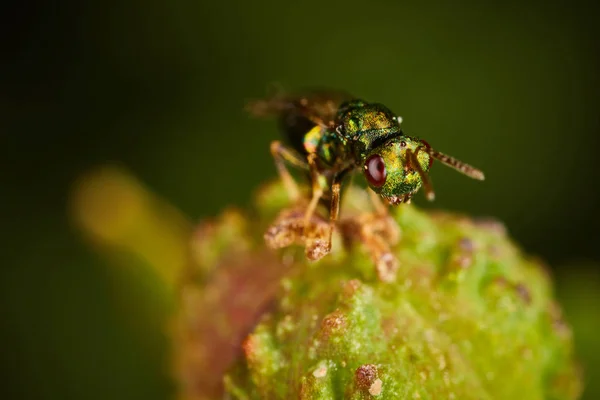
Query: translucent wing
(318,106)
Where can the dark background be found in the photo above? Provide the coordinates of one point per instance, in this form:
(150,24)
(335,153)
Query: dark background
(159,87)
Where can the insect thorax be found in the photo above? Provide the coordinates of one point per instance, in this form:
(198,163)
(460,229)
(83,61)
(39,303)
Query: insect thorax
(367,125)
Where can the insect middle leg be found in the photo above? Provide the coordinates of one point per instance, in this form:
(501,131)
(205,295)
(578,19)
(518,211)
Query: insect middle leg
(281,155)
(317,189)
(334,209)
(317,240)
(319,245)
(298,223)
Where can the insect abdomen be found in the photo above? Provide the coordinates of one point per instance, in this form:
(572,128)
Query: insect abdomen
(294,127)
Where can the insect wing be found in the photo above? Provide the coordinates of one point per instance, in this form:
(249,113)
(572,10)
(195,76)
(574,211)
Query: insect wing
(321,107)
(318,106)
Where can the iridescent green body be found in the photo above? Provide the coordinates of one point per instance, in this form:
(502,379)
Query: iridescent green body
(336,133)
(331,134)
(357,129)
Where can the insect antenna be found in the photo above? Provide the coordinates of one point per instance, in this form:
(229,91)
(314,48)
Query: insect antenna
(458,165)
(414,161)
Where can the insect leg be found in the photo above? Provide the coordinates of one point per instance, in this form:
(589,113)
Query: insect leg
(381,208)
(414,162)
(334,209)
(390,228)
(370,230)
(316,242)
(281,155)
(317,189)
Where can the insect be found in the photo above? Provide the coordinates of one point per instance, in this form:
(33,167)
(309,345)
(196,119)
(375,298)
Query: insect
(330,134)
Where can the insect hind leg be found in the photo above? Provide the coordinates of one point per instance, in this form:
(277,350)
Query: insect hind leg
(282,155)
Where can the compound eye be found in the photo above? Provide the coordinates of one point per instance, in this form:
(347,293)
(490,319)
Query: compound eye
(375,170)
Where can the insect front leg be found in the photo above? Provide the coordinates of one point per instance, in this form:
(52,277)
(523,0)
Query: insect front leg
(391,231)
(369,230)
(372,231)
(281,155)
(377,231)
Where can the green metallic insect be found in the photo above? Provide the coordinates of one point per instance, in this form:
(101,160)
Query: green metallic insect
(331,134)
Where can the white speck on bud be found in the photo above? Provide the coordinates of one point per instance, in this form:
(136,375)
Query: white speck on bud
(320,372)
(376,387)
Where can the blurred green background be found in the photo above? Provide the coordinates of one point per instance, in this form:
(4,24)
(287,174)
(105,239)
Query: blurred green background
(158,88)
